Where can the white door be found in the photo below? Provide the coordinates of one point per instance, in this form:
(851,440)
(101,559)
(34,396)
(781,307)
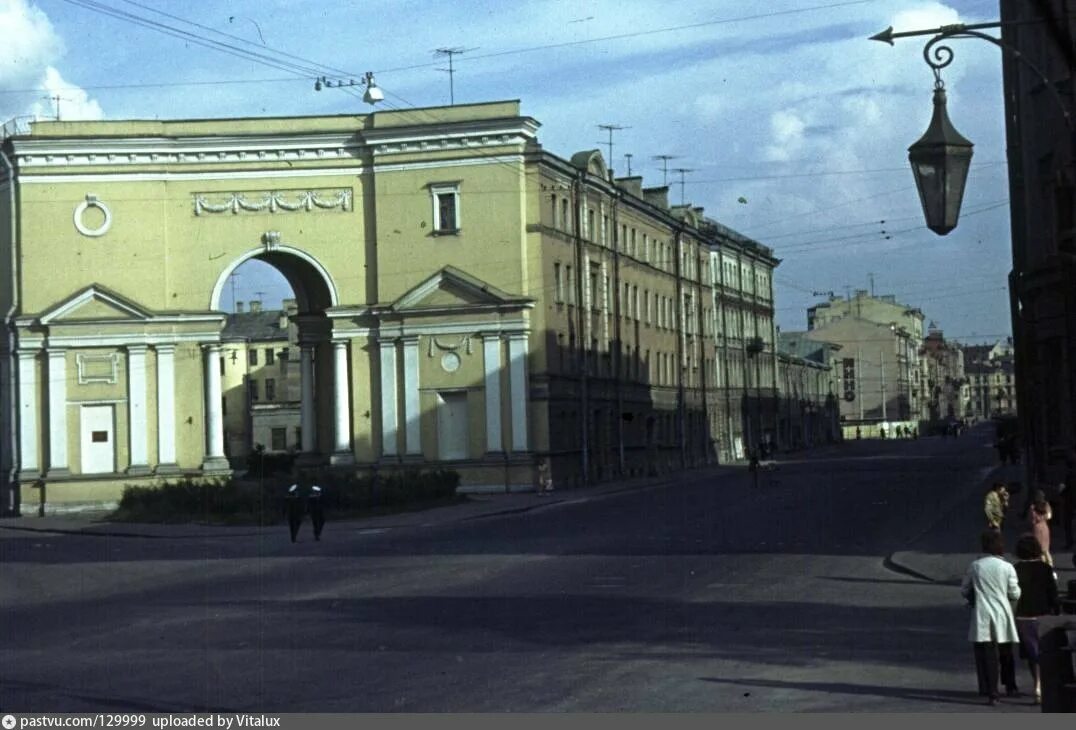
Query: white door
(98,440)
(452,426)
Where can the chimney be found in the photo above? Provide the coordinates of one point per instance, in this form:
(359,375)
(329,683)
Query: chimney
(289,308)
(657,196)
(255,305)
(239,307)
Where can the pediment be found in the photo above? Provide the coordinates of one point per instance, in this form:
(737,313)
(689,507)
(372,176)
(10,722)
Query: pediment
(95,304)
(451,288)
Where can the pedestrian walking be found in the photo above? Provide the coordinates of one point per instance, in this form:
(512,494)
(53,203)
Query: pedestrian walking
(1039,515)
(294,510)
(1038,597)
(988,586)
(994,505)
(545,477)
(316,508)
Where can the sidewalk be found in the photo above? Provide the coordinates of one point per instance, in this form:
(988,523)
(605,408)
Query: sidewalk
(477,506)
(942,553)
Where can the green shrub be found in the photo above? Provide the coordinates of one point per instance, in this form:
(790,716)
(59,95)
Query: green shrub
(234,501)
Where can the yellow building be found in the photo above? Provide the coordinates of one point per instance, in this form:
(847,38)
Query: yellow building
(464,299)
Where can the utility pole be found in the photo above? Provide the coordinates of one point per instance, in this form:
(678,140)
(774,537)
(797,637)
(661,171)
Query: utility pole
(682,171)
(232,277)
(665,166)
(451,70)
(881,367)
(610,128)
(859,380)
(870,278)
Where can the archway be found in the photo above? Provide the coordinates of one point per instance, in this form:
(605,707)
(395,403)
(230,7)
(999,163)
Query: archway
(275,366)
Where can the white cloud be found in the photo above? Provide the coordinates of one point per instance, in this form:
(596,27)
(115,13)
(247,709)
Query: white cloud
(32,48)
(69,100)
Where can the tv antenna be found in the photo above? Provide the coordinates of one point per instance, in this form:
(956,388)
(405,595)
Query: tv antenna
(683,171)
(610,128)
(232,277)
(56,99)
(665,166)
(823,294)
(451,70)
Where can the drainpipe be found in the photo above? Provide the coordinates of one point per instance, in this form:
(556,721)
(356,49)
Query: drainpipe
(618,335)
(581,316)
(10,503)
(678,311)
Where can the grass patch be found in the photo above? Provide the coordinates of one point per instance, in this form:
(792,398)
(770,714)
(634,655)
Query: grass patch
(240,502)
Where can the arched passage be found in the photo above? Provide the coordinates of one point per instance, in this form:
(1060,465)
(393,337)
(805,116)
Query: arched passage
(314,288)
(323,366)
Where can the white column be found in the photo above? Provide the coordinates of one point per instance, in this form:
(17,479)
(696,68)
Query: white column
(137,420)
(388,398)
(517,376)
(491,360)
(29,463)
(306,405)
(412,423)
(166,409)
(214,418)
(57,412)
(341,404)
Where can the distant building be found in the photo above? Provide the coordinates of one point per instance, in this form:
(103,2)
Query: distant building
(260,382)
(943,383)
(991,375)
(809,412)
(906,325)
(872,371)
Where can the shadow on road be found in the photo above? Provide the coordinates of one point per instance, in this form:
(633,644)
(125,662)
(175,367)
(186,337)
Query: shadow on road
(845,688)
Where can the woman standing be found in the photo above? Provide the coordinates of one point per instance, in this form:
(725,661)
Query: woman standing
(997,499)
(1039,515)
(1038,597)
(989,585)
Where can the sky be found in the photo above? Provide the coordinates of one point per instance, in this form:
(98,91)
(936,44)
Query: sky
(793,126)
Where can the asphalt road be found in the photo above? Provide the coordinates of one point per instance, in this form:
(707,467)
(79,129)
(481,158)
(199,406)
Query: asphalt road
(707,596)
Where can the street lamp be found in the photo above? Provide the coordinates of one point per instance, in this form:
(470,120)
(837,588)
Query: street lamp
(940,162)
(942,156)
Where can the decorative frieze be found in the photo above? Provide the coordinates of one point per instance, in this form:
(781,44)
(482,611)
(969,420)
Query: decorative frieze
(273,201)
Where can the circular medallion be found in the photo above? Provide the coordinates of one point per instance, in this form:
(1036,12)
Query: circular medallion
(91,201)
(450,362)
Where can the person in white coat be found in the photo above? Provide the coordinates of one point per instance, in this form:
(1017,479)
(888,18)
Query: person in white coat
(990,585)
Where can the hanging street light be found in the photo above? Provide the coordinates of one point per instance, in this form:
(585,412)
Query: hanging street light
(941,157)
(940,160)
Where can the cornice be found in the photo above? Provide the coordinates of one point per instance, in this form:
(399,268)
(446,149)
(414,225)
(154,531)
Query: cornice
(38,153)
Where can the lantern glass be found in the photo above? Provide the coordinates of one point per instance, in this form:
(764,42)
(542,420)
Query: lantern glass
(940,162)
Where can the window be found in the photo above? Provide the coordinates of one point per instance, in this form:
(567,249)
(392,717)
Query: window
(252,389)
(565,219)
(558,285)
(635,303)
(646,303)
(446,208)
(279,439)
(590,224)
(569,284)
(222,365)
(270,389)
(593,287)
(269,356)
(252,357)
